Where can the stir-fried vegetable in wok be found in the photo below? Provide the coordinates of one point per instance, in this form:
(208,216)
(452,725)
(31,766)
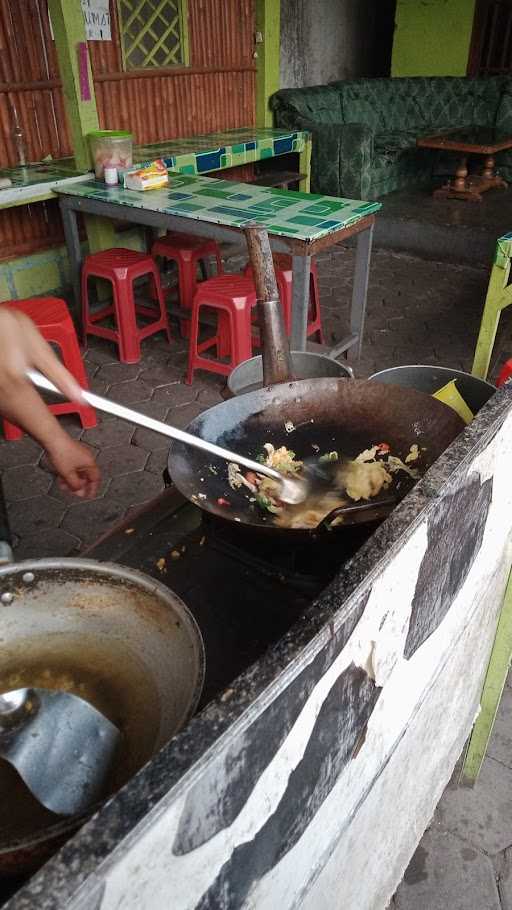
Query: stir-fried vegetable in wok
(359,479)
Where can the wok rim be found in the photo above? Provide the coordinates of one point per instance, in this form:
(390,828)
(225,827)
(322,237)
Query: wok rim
(167,597)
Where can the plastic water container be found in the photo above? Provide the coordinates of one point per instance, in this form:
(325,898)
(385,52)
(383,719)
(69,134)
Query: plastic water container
(110,149)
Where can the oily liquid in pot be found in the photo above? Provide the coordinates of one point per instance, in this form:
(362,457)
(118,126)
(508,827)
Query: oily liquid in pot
(107,675)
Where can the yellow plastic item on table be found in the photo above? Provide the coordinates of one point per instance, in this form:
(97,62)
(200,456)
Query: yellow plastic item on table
(450,395)
(152,177)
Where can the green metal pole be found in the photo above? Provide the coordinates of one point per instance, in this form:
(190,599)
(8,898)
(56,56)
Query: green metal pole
(305,166)
(268,43)
(495,679)
(69,32)
(498,297)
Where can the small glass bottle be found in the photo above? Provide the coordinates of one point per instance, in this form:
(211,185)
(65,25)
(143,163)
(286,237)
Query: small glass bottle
(111,178)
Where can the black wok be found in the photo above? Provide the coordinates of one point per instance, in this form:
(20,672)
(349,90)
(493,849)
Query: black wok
(327,415)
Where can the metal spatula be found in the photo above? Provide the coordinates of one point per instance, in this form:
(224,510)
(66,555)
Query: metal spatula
(293,490)
(59,744)
(316,477)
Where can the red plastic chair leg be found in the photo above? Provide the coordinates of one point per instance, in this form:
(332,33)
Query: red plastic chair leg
(193,343)
(315,312)
(129,341)
(159,296)
(187,289)
(11,432)
(505,373)
(241,348)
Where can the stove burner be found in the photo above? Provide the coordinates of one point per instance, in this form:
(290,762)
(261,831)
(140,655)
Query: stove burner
(244,586)
(306,562)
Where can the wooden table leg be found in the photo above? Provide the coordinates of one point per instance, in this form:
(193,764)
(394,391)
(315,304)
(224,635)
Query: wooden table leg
(489,178)
(461,187)
(471,187)
(488,171)
(459,184)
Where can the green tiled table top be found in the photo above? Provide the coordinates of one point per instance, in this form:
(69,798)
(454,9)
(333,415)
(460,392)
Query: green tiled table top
(35,182)
(190,155)
(217,151)
(303,216)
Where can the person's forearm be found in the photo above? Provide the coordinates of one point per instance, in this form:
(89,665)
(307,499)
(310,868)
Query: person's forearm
(23,406)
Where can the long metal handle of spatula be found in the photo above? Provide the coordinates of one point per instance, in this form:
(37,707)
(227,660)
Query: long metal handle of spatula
(292,490)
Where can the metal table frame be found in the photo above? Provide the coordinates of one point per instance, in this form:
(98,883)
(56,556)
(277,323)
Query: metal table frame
(300,250)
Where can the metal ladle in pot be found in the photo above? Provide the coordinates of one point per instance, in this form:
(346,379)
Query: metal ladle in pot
(59,744)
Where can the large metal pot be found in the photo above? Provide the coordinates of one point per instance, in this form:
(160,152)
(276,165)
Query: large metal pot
(109,634)
(429,379)
(248,376)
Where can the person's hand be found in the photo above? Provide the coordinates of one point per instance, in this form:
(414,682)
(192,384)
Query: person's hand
(76,467)
(22,347)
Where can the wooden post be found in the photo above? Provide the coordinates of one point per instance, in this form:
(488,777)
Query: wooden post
(69,31)
(268,24)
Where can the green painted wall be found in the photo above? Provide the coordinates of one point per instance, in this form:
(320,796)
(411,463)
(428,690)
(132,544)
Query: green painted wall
(47,272)
(432,37)
(30,276)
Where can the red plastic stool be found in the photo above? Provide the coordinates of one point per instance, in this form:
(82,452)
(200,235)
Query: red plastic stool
(283,267)
(52,318)
(122,267)
(505,373)
(187,252)
(232,297)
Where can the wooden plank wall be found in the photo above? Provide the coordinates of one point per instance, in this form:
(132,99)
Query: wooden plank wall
(216,91)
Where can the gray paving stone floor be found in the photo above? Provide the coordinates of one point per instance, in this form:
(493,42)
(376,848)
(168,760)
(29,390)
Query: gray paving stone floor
(419,311)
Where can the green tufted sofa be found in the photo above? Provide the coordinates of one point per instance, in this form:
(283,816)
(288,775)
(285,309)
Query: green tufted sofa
(365,130)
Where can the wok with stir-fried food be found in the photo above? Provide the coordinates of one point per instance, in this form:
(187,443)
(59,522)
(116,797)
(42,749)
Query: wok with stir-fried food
(361,478)
(380,439)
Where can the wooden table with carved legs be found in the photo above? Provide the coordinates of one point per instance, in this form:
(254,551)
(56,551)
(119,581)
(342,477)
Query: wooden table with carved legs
(476,140)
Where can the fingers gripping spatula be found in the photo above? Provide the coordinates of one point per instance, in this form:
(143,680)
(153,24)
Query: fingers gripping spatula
(59,744)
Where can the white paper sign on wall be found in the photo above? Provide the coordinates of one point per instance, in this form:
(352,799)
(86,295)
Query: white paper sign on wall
(97,20)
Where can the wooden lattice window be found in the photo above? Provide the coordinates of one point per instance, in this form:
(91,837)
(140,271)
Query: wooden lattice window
(153,33)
